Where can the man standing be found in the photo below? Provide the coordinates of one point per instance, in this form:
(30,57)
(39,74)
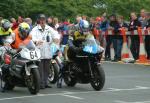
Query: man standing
(43,35)
(143,18)
(147,37)
(135,40)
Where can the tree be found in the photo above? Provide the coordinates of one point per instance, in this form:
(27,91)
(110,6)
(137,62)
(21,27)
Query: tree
(70,8)
(13,8)
(122,7)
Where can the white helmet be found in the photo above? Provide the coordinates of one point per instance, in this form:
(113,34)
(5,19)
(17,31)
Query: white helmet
(85,24)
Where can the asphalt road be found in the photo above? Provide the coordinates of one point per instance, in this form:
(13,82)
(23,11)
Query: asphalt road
(124,84)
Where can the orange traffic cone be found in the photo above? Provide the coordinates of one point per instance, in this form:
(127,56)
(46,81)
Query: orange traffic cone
(142,53)
(125,50)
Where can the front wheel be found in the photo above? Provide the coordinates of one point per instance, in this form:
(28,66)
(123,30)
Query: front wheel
(70,81)
(8,86)
(53,73)
(98,79)
(33,82)
(69,78)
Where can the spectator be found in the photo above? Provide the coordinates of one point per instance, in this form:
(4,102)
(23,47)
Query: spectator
(144,22)
(14,23)
(112,20)
(55,23)
(135,43)
(96,31)
(84,18)
(92,23)
(118,40)
(92,27)
(50,22)
(20,19)
(147,37)
(143,18)
(29,21)
(43,35)
(65,32)
(79,22)
(148,20)
(103,27)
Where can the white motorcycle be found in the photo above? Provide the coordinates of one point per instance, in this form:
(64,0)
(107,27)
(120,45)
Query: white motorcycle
(21,68)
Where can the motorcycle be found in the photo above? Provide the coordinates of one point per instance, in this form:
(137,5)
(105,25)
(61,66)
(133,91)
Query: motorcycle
(21,69)
(84,66)
(55,64)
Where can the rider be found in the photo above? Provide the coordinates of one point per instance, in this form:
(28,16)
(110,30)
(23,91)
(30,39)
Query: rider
(5,31)
(21,36)
(80,35)
(76,39)
(13,41)
(81,29)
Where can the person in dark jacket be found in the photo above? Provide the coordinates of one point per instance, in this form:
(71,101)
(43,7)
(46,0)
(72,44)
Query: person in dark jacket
(112,19)
(114,25)
(118,38)
(103,27)
(147,37)
(135,43)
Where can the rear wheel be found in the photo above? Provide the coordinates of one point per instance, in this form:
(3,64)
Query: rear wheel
(33,81)
(98,80)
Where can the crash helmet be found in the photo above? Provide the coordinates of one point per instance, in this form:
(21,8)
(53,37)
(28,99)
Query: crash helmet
(24,30)
(5,24)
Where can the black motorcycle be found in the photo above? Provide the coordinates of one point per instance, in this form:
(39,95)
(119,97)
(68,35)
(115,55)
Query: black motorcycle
(20,69)
(84,65)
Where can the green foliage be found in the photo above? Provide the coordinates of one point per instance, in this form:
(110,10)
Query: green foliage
(70,8)
(123,7)
(13,8)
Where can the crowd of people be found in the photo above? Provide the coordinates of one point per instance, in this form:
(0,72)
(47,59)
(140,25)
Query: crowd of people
(48,29)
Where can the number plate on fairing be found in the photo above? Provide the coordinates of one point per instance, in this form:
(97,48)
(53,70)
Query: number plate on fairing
(30,54)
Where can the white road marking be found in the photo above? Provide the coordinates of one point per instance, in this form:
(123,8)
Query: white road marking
(75,97)
(131,89)
(142,87)
(118,101)
(69,93)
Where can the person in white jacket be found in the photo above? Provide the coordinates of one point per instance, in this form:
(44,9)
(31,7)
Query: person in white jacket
(43,35)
